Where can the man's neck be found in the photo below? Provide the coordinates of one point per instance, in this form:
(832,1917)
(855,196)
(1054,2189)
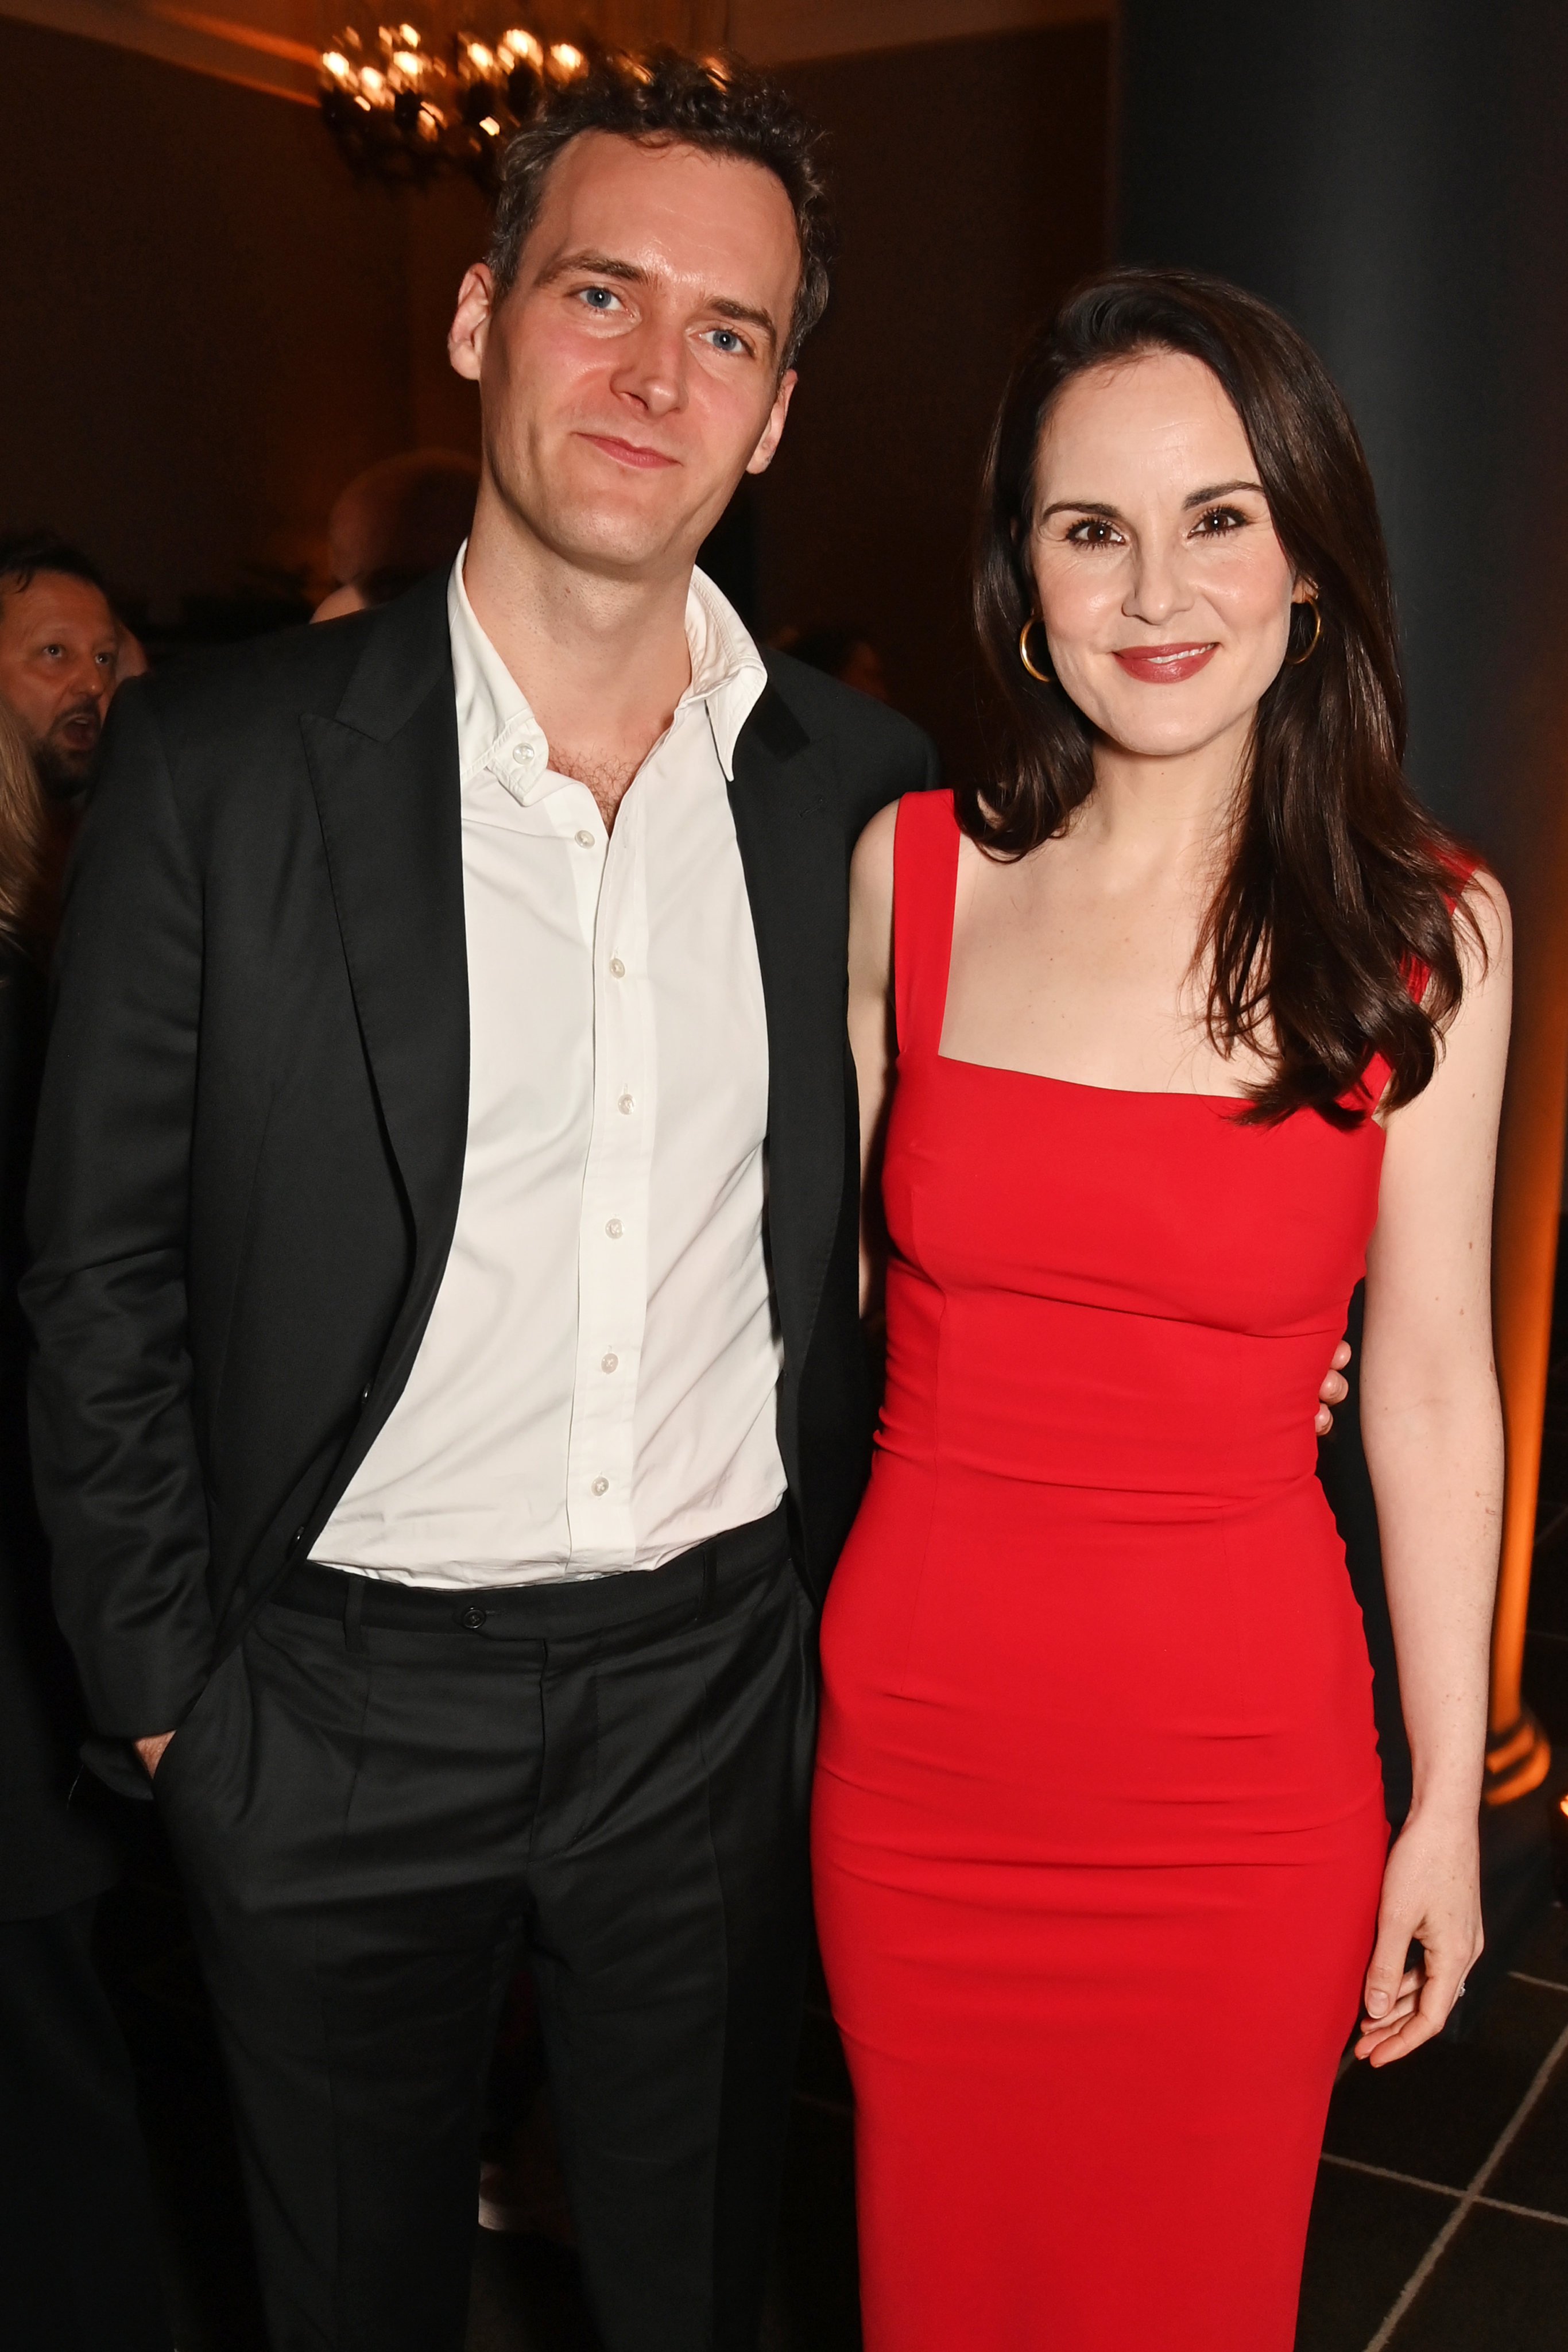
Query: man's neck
(602,660)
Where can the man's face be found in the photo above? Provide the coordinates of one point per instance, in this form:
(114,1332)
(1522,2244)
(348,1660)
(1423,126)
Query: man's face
(58,654)
(630,376)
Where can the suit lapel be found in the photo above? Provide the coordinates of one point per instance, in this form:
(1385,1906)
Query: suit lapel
(385,771)
(796,878)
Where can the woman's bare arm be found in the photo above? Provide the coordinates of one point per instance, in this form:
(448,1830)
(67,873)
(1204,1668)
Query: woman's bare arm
(1432,1426)
(871,1026)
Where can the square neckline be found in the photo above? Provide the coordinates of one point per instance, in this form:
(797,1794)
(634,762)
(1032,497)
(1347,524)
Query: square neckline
(940,952)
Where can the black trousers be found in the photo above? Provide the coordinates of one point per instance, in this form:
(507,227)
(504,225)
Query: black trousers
(381,1798)
(79,2268)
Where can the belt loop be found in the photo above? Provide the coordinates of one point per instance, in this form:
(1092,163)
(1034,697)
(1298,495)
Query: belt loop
(353,1612)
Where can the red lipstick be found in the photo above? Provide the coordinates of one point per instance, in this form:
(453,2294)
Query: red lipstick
(1165,665)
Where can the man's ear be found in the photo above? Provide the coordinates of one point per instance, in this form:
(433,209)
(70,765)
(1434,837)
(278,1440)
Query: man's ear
(471,321)
(761,457)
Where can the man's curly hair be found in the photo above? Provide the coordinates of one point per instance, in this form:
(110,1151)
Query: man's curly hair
(714,104)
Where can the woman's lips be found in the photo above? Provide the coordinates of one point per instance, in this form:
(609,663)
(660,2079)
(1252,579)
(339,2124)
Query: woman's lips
(1165,665)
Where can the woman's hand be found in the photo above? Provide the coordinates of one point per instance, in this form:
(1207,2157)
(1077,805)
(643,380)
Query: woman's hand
(1431,1896)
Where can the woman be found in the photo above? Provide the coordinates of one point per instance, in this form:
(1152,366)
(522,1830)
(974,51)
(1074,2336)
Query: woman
(78,2264)
(1194,1014)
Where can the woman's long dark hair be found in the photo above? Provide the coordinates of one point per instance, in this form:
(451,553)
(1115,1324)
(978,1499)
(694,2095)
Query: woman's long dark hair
(1340,887)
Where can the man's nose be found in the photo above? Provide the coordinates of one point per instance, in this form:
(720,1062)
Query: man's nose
(653,369)
(88,677)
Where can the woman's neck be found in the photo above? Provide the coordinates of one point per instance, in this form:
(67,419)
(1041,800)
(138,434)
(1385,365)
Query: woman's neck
(1175,813)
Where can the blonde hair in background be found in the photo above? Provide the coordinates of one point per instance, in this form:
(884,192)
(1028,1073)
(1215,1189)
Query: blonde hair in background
(21,836)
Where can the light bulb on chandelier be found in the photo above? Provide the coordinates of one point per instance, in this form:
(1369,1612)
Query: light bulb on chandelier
(402,102)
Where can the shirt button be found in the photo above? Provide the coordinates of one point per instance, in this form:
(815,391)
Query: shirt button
(473,1619)
(617,968)
(601,1485)
(522,750)
(614,1229)
(584,840)
(608,1364)
(626,1104)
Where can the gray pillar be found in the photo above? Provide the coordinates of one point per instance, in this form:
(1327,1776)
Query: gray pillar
(1395,175)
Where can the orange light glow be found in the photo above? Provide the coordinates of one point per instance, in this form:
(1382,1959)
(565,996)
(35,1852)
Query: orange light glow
(567,59)
(480,58)
(523,44)
(337,65)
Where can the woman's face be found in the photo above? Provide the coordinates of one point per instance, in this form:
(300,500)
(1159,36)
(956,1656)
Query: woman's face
(1164,589)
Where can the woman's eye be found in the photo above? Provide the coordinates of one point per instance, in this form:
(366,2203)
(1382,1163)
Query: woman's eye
(1220,521)
(1094,531)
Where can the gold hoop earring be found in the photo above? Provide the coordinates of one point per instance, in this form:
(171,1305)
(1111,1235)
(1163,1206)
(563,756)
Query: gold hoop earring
(1044,675)
(1295,661)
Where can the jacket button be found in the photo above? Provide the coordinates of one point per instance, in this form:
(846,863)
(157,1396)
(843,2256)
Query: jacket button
(297,1537)
(473,1619)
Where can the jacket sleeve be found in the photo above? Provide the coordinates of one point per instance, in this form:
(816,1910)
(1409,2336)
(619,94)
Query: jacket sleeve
(119,1479)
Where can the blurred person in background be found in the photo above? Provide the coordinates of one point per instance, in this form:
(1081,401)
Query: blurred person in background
(847,654)
(395,522)
(76,2267)
(60,658)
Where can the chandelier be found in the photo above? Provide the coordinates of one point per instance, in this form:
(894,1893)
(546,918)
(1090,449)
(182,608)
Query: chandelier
(404,104)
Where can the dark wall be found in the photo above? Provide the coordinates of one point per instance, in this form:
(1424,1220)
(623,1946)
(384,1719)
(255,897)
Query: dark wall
(972,191)
(1397,177)
(209,326)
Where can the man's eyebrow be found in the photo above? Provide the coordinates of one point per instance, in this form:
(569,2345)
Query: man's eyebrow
(598,265)
(606,265)
(745,316)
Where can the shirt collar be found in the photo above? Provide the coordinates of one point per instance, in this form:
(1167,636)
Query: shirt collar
(494,719)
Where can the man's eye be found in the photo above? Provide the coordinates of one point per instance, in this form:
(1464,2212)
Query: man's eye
(597,298)
(724,338)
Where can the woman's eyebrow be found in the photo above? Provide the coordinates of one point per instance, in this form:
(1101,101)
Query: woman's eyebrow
(1222,490)
(1081,506)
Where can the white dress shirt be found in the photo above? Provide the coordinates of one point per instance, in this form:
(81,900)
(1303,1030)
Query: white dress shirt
(595,1389)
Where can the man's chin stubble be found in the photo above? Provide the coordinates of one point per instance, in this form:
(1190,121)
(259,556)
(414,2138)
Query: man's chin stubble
(64,775)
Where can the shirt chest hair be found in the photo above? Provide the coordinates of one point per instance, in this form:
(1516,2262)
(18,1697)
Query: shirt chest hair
(607,774)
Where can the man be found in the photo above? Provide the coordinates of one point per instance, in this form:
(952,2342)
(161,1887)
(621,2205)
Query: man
(59,658)
(442,995)
(392,524)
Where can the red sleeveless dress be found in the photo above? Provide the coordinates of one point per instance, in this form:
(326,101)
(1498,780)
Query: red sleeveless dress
(1098,1826)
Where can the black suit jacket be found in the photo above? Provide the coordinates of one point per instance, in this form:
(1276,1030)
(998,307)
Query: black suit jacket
(251,1139)
(53,1852)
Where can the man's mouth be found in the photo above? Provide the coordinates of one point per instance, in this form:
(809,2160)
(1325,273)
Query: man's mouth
(635,454)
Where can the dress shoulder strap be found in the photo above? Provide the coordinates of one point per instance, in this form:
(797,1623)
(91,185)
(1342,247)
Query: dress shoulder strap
(925,878)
